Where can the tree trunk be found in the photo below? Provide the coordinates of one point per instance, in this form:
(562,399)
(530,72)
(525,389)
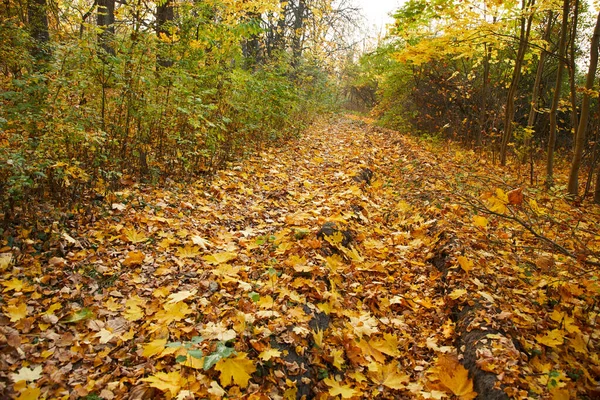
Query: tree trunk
(535,97)
(251,48)
(580,139)
(484,93)
(105,18)
(597,189)
(38,28)
(573,66)
(164,16)
(297,32)
(557,88)
(512,90)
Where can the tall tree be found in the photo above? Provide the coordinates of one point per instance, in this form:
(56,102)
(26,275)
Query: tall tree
(580,139)
(557,89)
(509,115)
(105,18)
(164,17)
(38,28)
(535,97)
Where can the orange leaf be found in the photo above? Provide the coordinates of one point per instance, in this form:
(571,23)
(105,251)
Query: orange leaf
(515,197)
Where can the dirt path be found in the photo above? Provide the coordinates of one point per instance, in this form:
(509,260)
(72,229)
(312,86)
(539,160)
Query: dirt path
(329,267)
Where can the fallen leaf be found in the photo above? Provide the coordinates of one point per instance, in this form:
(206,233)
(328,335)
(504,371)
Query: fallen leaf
(336,389)
(236,370)
(553,338)
(166,382)
(455,377)
(28,375)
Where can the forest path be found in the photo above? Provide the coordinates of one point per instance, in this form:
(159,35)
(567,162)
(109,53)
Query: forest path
(334,265)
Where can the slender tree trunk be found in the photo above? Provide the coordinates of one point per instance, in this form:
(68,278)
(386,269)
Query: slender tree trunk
(251,48)
(557,88)
(484,94)
(105,18)
(597,189)
(580,139)
(535,97)
(573,66)
(512,90)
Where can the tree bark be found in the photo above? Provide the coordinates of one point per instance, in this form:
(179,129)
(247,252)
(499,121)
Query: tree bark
(38,28)
(105,18)
(573,66)
(512,90)
(484,93)
(535,97)
(164,16)
(580,139)
(557,88)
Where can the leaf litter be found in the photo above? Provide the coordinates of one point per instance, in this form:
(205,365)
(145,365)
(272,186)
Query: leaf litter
(231,288)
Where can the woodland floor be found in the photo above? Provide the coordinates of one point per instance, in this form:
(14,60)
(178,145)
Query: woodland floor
(297,272)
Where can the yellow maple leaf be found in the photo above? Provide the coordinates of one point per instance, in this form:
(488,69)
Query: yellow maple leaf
(134,258)
(180,296)
(14,284)
(336,389)
(194,362)
(154,347)
(388,375)
(554,338)
(579,344)
(236,370)
(465,263)
(267,354)
(188,251)
(166,382)
(31,393)
(457,293)
(455,377)
(480,221)
(219,258)
(133,312)
(135,237)
(388,345)
(338,358)
(16,312)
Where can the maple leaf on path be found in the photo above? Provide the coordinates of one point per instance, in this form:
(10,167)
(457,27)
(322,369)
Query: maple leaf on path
(28,375)
(16,312)
(154,347)
(465,263)
(166,382)
(200,241)
(236,370)
(220,258)
(266,355)
(336,389)
(31,393)
(180,296)
(14,284)
(455,377)
(389,376)
(188,251)
(134,258)
(554,338)
(135,237)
